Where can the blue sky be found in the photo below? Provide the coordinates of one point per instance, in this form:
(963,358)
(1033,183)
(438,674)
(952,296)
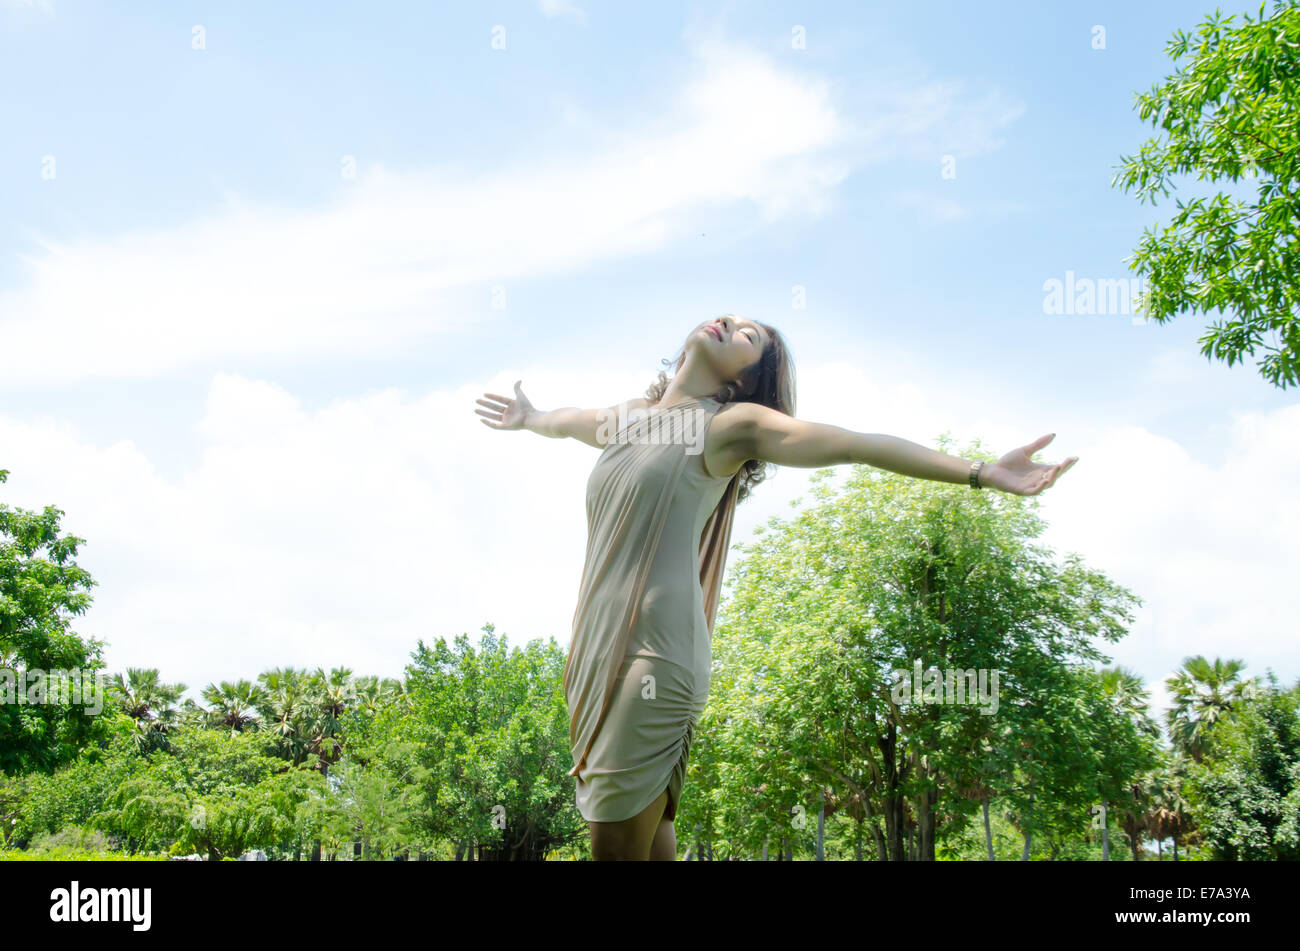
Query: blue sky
(248,376)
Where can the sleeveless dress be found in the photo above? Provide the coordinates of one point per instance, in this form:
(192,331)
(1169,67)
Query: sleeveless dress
(637,675)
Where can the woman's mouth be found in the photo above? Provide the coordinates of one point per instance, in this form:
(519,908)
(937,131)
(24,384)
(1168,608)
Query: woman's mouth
(714,330)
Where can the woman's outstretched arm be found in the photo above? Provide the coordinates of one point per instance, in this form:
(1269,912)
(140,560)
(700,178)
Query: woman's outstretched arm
(591,426)
(759,432)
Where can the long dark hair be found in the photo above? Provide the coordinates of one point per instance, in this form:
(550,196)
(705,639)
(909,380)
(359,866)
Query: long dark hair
(769,381)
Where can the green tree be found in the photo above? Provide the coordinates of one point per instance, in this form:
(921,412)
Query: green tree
(234,706)
(1202,695)
(826,608)
(1229,114)
(1170,815)
(220,793)
(41,803)
(492,729)
(41,589)
(151,705)
(1246,790)
(1127,747)
(307,711)
(380,807)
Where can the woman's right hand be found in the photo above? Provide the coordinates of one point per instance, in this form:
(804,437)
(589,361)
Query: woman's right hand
(504,413)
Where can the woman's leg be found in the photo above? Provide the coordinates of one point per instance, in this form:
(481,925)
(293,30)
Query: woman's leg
(664,847)
(629,840)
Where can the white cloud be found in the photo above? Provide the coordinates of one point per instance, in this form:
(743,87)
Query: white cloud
(555,8)
(928,119)
(339,535)
(335,536)
(365,275)
(1211,549)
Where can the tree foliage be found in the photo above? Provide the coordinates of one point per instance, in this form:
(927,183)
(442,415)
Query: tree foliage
(830,610)
(42,589)
(1229,113)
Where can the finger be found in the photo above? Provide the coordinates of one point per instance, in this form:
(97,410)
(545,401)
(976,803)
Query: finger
(499,397)
(489,425)
(1062,466)
(1038,444)
(1061,469)
(485,413)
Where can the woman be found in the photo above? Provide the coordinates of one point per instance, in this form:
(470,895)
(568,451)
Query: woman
(659,508)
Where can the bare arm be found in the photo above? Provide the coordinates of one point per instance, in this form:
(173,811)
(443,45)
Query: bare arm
(759,432)
(592,426)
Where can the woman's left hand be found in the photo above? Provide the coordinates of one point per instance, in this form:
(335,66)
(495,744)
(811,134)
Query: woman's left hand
(1017,474)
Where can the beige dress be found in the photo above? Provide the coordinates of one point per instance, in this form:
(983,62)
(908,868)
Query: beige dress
(637,674)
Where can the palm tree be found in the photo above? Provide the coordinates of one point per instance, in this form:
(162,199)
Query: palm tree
(306,709)
(1171,814)
(334,695)
(193,716)
(235,705)
(290,713)
(150,704)
(374,694)
(1202,695)
(1127,695)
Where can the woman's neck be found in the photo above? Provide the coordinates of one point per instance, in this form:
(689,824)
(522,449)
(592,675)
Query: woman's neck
(691,382)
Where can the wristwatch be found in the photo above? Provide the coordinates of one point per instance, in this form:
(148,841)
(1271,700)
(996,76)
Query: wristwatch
(975,468)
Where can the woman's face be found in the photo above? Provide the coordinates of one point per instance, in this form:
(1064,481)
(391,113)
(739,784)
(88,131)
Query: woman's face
(730,344)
